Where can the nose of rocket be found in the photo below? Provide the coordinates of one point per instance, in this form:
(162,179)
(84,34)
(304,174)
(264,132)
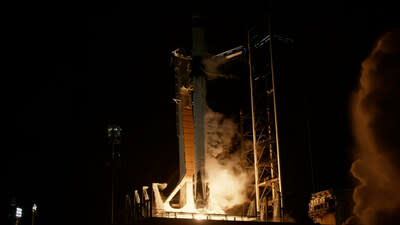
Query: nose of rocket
(199,47)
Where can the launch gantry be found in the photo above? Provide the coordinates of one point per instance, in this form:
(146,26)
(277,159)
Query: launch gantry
(261,126)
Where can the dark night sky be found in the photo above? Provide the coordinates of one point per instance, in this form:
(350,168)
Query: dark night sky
(71,69)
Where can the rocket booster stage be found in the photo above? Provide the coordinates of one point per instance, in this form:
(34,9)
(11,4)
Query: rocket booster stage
(191,107)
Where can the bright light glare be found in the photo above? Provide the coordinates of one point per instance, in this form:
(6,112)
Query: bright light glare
(18,213)
(200,217)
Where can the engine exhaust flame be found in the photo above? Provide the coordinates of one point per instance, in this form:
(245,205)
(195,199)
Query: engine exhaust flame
(376,129)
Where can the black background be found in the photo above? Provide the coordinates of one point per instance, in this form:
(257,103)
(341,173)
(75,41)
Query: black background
(72,68)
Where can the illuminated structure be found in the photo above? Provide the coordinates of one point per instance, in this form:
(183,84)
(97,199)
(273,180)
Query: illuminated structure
(114,135)
(261,126)
(321,208)
(191,197)
(331,206)
(18,215)
(265,139)
(190,110)
(34,212)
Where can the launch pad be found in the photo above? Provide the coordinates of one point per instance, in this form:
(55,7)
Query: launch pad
(195,195)
(200,216)
(168,221)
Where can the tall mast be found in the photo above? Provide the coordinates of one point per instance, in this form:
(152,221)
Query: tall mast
(275,117)
(253,129)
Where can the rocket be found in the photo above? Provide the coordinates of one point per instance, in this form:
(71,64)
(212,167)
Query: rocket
(191,107)
(199,52)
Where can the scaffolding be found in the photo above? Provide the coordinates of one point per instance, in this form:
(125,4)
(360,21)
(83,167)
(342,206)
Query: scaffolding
(260,126)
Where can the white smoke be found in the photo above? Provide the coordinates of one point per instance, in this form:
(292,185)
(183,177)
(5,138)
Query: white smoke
(211,68)
(228,177)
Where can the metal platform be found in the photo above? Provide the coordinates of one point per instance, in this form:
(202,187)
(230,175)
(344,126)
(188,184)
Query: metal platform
(201,216)
(168,221)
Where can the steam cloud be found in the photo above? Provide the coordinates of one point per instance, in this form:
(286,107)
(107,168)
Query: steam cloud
(376,129)
(228,177)
(211,68)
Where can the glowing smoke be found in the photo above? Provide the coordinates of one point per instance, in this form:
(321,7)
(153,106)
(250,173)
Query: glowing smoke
(376,129)
(212,68)
(228,177)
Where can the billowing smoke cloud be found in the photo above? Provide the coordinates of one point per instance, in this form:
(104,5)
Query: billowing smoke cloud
(212,68)
(229,175)
(376,129)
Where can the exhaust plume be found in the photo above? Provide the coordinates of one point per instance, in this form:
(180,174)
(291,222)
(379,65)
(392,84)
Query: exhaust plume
(375,114)
(228,176)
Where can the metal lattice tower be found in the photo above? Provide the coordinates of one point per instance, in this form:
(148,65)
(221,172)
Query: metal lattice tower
(260,126)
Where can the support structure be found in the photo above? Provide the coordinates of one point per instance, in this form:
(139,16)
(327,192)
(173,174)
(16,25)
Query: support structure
(264,127)
(271,65)
(254,134)
(114,135)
